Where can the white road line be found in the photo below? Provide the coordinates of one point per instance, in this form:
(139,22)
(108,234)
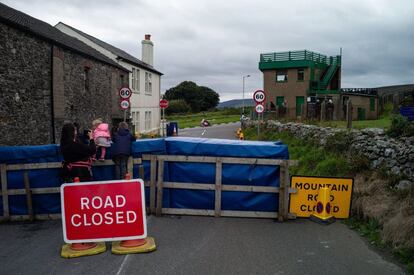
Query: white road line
(124,262)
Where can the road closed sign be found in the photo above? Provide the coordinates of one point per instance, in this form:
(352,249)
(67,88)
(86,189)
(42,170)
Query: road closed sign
(303,202)
(103,211)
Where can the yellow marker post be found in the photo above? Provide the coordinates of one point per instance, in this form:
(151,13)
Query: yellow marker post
(323,210)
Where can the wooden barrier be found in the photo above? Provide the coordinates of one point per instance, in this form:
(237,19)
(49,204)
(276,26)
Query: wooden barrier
(157,186)
(28,191)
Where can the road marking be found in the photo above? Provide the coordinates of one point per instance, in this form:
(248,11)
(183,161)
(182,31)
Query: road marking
(124,262)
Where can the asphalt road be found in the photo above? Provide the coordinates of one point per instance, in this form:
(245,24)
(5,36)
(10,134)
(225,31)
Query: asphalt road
(201,245)
(226,131)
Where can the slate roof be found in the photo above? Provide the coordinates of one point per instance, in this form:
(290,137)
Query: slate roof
(118,52)
(47,32)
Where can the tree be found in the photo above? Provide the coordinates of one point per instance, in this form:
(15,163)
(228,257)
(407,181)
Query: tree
(177,106)
(199,98)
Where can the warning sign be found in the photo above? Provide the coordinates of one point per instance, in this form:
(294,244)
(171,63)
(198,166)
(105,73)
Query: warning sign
(303,202)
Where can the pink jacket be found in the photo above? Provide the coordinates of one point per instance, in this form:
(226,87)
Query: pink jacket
(101,131)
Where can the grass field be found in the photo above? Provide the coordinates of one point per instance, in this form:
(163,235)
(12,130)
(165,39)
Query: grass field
(193,120)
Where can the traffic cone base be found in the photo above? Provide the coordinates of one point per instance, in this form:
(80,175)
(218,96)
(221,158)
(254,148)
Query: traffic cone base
(68,251)
(321,220)
(123,247)
(322,213)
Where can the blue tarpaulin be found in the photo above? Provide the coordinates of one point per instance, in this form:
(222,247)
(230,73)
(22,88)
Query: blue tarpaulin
(234,174)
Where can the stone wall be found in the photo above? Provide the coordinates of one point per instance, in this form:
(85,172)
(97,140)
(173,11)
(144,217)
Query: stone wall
(42,86)
(396,154)
(25,87)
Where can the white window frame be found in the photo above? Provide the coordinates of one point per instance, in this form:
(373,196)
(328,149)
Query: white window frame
(148,83)
(137,80)
(147,120)
(133,79)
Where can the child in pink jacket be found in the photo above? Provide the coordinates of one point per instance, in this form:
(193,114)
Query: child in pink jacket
(102,136)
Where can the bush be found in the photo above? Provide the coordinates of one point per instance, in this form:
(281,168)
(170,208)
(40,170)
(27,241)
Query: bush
(400,126)
(339,142)
(177,107)
(358,162)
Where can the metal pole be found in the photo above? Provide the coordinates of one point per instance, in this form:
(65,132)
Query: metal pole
(125,115)
(163,122)
(243,97)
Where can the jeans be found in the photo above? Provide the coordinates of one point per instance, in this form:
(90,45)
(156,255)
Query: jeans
(121,166)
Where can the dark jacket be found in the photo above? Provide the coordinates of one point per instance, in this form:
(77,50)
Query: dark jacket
(76,151)
(122,140)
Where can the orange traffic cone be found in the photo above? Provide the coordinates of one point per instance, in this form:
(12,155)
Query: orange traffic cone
(133,246)
(75,250)
(241,136)
(323,214)
(174,132)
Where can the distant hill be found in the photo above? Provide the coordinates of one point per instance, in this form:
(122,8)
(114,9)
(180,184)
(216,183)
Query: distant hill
(236,103)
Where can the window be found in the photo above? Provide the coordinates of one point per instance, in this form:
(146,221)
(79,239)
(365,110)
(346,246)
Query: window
(148,83)
(372,104)
(301,74)
(147,120)
(137,81)
(281,76)
(133,79)
(135,121)
(86,79)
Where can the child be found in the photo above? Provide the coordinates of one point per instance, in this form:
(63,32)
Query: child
(121,149)
(102,136)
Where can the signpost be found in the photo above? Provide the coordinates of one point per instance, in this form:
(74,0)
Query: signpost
(103,211)
(125,94)
(303,202)
(163,106)
(259,97)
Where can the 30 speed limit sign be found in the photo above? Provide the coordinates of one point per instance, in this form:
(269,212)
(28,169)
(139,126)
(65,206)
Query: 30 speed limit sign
(259,108)
(125,93)
(259,96)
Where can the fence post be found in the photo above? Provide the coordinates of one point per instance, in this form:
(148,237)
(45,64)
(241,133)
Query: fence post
(3,171)
(28,195)
(217,205)
(282,185)
(153,177)
(158,211)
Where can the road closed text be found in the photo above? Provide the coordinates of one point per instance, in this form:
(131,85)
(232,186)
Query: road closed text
(303,202)
(109,215)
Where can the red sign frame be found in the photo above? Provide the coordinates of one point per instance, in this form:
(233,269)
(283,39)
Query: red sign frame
(163,103)
(121,95)
(103,211)
(258,105)
(264,96)
(123,108)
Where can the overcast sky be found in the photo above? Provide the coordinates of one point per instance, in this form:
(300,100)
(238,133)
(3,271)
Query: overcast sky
(214,43)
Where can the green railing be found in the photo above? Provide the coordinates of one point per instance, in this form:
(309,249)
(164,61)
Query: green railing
(334,63)
(298,56)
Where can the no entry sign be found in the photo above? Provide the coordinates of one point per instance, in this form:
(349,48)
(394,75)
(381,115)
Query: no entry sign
(163,103)
(103,211)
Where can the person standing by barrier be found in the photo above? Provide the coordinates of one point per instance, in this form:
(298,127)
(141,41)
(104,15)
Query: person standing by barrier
(121,149)
(102,137)
(77,157)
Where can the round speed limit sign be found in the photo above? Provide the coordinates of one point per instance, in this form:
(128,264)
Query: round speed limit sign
(259,108)
(124,104)
(125,93)
(259,96)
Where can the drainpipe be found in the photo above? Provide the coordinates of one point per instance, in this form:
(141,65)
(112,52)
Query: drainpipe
(52,107)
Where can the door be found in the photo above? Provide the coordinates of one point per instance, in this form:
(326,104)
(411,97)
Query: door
(300,100)
(361,114)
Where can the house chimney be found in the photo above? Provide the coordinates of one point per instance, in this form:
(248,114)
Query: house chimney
(147,50)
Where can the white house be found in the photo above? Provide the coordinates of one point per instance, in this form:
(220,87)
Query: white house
(144,80)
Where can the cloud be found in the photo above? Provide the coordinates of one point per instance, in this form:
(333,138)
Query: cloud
(215,43)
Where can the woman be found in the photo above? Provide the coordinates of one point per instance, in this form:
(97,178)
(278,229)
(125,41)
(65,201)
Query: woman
(121,149)
(76,156)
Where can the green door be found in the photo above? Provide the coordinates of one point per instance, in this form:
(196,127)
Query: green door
(300,100)
(361,114)
(279,101)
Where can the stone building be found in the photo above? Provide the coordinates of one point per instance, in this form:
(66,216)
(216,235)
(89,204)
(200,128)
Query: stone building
(144,79)
(301,83)
(48,78)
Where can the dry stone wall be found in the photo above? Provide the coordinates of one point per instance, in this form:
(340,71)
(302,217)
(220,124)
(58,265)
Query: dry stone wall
(395,154)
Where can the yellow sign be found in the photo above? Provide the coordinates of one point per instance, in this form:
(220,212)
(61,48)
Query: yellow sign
(303,202)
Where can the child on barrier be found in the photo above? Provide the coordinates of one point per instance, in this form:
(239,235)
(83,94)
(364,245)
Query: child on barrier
(121,149)
(102,137)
